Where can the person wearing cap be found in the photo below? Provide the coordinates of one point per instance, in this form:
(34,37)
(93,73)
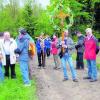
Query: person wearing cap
(90,43)
(23,32)
(9,57)
(68,47)
(80,50)
(23,46)
(1,72)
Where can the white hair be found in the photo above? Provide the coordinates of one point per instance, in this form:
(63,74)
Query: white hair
(88,30)
(66,31)
(6,33)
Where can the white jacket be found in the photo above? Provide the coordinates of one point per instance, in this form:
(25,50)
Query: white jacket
(13,46)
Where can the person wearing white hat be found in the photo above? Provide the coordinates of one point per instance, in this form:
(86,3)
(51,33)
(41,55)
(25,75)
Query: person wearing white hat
(90,44)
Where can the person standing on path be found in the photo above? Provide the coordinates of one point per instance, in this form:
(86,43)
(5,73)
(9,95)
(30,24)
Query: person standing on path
(31,55)
(80,50)
(54,51)
(41,51)
(91,44)
(23,47)
(68,46)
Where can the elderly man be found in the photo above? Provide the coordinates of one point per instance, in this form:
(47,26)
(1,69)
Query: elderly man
(68,47)
(90,55)
(9,57)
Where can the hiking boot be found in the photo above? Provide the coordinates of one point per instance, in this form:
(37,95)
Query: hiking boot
(13,77)
(75,80)
(55,68)
(92,80)
(65,79)
(58,68)
(87,78)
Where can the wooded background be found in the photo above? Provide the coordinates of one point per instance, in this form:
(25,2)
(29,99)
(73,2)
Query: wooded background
(83,14)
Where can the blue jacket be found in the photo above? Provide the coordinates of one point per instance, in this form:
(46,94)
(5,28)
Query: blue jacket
(23,45)
(38,46)
(48,43)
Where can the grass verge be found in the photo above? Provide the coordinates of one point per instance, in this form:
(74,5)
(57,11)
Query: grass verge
(13,89)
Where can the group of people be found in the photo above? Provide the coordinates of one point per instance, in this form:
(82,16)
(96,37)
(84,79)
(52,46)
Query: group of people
(12,50)
(18,49)
(86,47)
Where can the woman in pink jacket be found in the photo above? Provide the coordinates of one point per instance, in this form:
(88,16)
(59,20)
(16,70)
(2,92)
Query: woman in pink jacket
(90,43)
(54,51)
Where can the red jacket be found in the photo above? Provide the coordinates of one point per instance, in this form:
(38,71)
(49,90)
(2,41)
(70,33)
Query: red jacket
(90,48)
(54,49)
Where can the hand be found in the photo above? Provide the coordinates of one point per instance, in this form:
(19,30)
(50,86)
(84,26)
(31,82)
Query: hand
(62,42)
(64,46)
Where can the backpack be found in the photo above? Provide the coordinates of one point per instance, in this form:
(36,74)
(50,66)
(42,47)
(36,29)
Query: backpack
(31,49)
(97,47)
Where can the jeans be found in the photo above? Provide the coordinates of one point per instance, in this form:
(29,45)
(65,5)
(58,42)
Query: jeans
(67,57)
(25,71)
(92,69)
(1,73)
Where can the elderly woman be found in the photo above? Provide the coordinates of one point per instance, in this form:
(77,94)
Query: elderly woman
(90,55)
(9,58)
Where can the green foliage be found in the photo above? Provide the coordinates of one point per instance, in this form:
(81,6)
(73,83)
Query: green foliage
(8,19)
(43,24)
(13,89)
(28,19)
(71,7)
(36,20)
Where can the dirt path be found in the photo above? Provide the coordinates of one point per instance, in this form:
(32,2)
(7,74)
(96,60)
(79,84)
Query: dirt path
(51,86)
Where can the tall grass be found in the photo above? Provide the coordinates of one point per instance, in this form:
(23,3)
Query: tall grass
(13,89)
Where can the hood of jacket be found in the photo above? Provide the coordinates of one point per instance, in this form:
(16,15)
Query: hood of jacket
(22,37)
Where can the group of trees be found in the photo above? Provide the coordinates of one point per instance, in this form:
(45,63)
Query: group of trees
(35,19)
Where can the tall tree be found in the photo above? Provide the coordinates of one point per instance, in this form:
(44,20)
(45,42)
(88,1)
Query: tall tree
(28,18)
